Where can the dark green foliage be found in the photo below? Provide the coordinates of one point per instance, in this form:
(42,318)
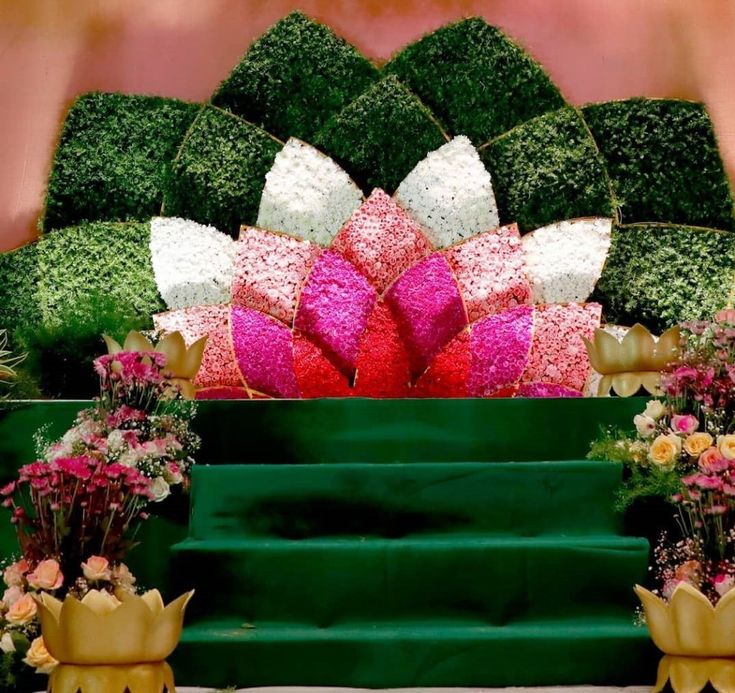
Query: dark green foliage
(295,77)
(476,79)
(660,274)
(219,173)
(548,170)
(19,273)
(381,135)
(663,160)
(113,157)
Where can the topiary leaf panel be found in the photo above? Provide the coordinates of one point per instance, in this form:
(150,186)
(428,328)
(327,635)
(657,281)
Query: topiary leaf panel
(19,275)
(479,82)
(112,158)
(295,77)
(662,157)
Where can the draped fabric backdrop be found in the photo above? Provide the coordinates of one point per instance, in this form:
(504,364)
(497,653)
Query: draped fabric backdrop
(52,50)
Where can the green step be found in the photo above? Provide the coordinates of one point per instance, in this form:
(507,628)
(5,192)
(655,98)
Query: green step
(324,582)
(301,501)
(610,651)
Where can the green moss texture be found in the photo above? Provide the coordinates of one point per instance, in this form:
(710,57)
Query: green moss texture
(478,81)
(293,78)
(548,170)
(112,158)
(218,175)
(663,160)
(660,274)
(381,135)
(19,275)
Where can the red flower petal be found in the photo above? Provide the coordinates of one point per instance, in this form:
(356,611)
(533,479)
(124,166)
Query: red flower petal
(315,373)
(223,393)
(448,374)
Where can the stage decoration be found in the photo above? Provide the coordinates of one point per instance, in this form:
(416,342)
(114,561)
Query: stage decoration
(450,194)
(105,643)
(662,157)
(634,362)
(112,158)
(564,261)
(218,174)
(547,390)
(192,263)
(307,195)
(382,240)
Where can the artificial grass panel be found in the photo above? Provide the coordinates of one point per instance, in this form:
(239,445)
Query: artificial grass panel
(19,275)
(548,170)
(381,136)
(660,274)
(112,158)
(662,157)
(294,77)
(218,175)
(476,79)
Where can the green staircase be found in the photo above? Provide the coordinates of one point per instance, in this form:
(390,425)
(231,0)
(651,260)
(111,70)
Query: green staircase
(409,543)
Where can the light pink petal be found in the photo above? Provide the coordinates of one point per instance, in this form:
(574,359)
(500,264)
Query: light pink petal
(490,272)
(270,271)
(558,353)
(546,390)
(264,352)
(334,308)
(428,307)
(218,362)
(381,240)
(500,346)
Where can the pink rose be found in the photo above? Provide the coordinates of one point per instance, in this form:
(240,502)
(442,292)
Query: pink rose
(684,423)
(46,576)
(96,569)
(711,461)
(23,611)
(15,573)
(724,583)
(726,315)
(12,595)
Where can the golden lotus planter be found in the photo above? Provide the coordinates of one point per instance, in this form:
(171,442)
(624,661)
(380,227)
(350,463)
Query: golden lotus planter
(105,645)
(697,639)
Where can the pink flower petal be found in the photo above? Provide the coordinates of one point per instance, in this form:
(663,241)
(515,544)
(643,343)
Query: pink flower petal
(316,375)
(381,240)
(270,270)
(546,390)
(448,374)
(490,272)
(223,393)
(264,352)
(428,307)
(500,346)
(334,308)
(218,362)
(558,353)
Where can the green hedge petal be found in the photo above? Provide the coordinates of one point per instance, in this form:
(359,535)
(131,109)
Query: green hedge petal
(476,79)
(292,79)
(219,173)
(19,275)
(663,160)
(661,274)
(113,157)
(548,170)
(381,135)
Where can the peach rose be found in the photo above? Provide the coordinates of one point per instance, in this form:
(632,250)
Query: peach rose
(14,574)
(726,444)
(46,576)
(711,461)
(23,611)
(664,450)
(97,569)
(697,443)
(39,657)
(12,595)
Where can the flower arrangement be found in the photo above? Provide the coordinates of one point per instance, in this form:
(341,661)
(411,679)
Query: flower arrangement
(8,362)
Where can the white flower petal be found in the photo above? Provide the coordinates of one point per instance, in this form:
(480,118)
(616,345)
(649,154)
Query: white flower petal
(450,193)
(307,194)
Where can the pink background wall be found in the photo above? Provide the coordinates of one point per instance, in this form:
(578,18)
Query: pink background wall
(52,50)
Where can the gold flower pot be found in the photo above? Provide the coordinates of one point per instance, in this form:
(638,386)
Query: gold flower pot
(106,645)
(697,639)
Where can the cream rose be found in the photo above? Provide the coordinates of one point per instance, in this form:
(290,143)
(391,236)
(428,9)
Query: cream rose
(96,569)
(6,643)
(160,489)
(14,574)
(654,409)
(664,450)
(39,657)
(123,578)
(46,575)
(697,443)
(726,446)
(645,425)
(23,611)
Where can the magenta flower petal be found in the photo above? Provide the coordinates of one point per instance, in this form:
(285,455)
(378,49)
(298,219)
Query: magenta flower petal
(264,352)
(428,307)
(218,362)
(546,390)
(334,308)
(490,272)
(558,353)
(270,271)
(500,346)
(381,240)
